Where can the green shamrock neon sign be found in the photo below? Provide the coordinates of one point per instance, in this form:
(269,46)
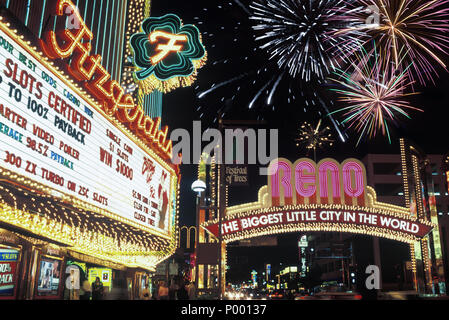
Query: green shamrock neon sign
(167,49)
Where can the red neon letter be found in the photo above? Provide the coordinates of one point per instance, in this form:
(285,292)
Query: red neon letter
(335,177)
(276,180)
(359,187)
(71,40)
(305,175)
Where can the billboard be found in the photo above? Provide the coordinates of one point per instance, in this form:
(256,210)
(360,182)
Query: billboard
(104,274)
(8,267)
(52,135)
(49,277)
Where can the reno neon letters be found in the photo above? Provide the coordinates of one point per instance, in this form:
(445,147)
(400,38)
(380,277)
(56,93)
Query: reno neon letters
(327,182)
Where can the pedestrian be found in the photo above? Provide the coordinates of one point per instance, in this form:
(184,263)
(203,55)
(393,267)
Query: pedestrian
(118,291)
(86,290)
(182,292)
(154,290)
(172,290)
(145,294)
(191,291)
(97,289)
(162,293)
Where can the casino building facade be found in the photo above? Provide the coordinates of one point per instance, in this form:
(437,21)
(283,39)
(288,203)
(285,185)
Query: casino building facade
(85,190)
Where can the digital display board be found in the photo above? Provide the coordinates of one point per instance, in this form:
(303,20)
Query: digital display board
(53,136)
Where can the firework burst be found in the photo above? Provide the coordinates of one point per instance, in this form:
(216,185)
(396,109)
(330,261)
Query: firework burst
(313,137)
(251,78)
(375,93)
(295,34)
(418,27)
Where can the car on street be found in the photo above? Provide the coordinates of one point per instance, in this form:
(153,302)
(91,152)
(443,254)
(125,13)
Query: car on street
(276,295)
(305,297)
(253,294)
(234,295)
(336,293)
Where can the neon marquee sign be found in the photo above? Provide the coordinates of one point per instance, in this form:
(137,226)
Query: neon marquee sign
(62,150)
(326,183)
(167,54)
(84,67)
(165,49)
(329,196)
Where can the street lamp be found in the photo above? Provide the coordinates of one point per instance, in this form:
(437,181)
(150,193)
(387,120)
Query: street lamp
(199,186)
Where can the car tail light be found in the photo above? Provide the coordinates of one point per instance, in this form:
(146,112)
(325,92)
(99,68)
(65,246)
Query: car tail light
(358,297)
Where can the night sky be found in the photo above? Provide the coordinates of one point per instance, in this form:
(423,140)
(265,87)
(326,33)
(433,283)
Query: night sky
(227,35)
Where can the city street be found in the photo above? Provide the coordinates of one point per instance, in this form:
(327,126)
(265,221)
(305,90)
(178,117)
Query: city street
(229,157)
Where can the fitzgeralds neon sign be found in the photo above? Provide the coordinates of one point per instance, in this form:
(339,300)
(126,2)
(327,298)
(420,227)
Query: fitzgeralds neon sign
(87,68)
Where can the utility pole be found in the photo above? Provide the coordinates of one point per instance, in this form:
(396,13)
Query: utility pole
(221,211)
(197,240)
(222,125)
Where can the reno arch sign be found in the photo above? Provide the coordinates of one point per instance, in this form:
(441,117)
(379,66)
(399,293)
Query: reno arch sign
(328,196)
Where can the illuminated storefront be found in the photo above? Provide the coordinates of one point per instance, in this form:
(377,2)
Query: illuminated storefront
(85,175)
(10,257)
